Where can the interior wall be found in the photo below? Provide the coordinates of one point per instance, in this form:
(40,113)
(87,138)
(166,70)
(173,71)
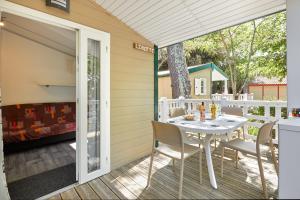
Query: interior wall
(27,65)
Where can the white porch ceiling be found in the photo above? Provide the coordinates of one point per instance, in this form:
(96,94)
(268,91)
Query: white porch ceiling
(166,22)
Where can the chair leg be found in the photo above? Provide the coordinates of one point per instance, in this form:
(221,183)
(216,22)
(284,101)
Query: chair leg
(236,158)
(200,166)
(150,168)
(243,128)
(261,170)
(215,143)
(181,179)
(222,159)
(173,165)
(274,158)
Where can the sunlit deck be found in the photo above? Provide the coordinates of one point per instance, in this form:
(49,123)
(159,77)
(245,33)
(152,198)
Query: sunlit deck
(129,181)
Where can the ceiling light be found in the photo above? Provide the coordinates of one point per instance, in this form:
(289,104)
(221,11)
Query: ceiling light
(1,23)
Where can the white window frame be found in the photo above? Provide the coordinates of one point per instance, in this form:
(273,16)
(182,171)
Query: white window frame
(199,84)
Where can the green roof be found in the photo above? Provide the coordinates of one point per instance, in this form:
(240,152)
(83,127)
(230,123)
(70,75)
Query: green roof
(197,68)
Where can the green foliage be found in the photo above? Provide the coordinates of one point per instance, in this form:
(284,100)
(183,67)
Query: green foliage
(252,130)
(255,48)
(261,111)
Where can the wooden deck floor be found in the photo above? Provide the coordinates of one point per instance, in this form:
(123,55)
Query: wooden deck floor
(128,182)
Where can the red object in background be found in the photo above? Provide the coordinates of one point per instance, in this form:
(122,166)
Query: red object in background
(296,112)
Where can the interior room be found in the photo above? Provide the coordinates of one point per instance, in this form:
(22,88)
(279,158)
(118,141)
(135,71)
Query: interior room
(38,95)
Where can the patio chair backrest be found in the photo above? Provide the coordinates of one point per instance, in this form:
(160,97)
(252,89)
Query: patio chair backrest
(232,111)
(167,133)
(265,133)
(176,112)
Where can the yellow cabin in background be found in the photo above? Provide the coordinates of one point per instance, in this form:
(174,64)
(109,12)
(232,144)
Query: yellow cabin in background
(201,77)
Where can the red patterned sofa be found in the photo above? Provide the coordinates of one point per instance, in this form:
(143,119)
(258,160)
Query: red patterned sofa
(25,123)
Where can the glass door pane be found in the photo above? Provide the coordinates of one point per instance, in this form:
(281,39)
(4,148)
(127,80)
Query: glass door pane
(94,101)
(93,110)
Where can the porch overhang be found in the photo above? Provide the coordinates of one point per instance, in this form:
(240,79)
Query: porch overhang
(168,22)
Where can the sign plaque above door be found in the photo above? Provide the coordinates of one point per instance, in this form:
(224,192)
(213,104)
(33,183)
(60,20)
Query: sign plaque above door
(142,47)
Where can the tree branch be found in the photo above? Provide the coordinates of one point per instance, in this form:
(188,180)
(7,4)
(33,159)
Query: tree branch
(249,57)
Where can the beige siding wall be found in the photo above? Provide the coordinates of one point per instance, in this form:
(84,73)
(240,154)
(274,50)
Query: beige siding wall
(206,73)
(165,89)
(132,86)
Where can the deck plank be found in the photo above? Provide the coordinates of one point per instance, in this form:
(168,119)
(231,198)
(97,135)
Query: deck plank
(120,190)
(69,194)
(156,187)
(55,197)
(165,182)
(102,190)
(138,186)
(86,192)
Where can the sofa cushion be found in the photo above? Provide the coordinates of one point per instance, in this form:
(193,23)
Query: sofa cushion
(24,122)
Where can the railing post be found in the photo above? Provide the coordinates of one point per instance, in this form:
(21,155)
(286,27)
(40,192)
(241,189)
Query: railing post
(189,109)
(181,102)
(277,117)
(164,108)
(245,112)
(278,113)
(267,112)
(245,97)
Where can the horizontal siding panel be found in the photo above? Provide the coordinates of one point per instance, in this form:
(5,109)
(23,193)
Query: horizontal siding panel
(135,72)
(121,53)
(123,103)
(135,135)
(136,61)
(132,157)
(132,93)
(133,86)
(133,53)
(131,118)
(133,146)
(119,130)
(127,76)
(124,111)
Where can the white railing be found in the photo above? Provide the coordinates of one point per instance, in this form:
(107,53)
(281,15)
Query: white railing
(222,96)
(230,97)
(191,106)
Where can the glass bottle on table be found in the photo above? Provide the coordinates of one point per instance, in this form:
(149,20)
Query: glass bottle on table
(202,112)
(213,110)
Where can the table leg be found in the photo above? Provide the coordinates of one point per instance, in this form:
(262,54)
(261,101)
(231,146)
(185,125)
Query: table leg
(210,167)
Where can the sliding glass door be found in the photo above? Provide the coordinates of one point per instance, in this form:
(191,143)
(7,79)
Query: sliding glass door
(93,80)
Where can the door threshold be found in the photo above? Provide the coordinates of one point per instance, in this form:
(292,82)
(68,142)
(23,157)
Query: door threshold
(47,196)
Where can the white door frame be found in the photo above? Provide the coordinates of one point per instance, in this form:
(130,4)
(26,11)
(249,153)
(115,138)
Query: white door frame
(29,13)
(84,176)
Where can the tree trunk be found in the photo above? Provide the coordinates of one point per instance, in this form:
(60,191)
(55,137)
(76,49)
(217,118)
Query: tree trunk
(179,73)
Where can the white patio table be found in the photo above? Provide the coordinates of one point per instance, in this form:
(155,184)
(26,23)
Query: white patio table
(221,126)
